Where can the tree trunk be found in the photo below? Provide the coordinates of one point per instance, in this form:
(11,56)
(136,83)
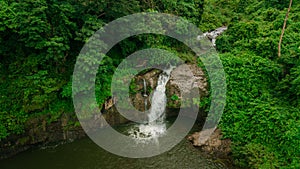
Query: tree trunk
(283,28)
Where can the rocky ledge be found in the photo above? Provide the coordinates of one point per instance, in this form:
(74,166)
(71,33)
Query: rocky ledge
(214,147)
(40,132)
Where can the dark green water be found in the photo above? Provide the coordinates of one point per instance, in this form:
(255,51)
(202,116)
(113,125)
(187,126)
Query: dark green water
(84,154)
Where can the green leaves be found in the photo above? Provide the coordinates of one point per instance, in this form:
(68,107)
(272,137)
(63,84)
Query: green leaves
(174,97)
(263,100)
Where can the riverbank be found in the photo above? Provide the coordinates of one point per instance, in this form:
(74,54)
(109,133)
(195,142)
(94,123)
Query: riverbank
(38,132)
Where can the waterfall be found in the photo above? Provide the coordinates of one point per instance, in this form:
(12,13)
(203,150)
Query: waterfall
(145,88)
(145,94)
(212,36)
(156,118)
(145,104)
(159,99)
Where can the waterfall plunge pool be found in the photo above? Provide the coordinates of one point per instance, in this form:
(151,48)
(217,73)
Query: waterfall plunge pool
(85,154)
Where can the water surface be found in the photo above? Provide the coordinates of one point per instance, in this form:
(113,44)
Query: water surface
(85,154)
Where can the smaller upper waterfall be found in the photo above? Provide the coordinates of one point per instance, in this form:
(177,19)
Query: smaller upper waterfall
(145,94)
(145,88)
(212,36)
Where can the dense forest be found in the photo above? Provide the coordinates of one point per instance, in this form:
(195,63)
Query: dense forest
(40,41)
(262,112)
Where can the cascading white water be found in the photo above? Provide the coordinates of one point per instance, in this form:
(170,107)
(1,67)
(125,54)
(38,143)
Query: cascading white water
(156,118)
(159,99)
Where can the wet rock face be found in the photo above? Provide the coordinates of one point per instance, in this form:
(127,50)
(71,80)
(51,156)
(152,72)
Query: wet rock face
(39,133)
(139,95)
(186,79)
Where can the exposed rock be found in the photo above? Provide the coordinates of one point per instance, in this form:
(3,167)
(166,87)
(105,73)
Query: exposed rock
(109,103)
(185,79)
(140,96)
(214,145)
(112,117)
(138,101)
(39,132)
